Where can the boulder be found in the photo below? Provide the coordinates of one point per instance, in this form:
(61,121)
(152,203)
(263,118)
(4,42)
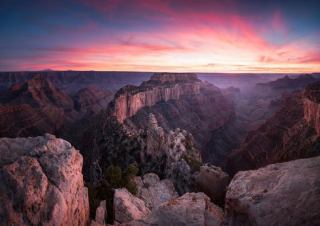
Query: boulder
(154,191)
(190,209)
(42,183)
(101,214)
(286,194)
(128,207)
(212,181)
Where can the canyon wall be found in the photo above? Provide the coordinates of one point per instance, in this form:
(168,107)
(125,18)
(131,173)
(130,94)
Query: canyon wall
(311,104)
(161,87)
(291,133)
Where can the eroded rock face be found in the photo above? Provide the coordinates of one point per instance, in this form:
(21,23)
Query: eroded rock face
(154,191)
(311,104)
(128,207)
(161,87)
(189,209)
(174,153)
(213,182)
(33,108)
(91,100)
(283,137)
(43,183)
(284,194)
(176,101)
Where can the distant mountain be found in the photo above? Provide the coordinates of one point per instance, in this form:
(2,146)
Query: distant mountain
(290,83)
(72,81)
(37,106)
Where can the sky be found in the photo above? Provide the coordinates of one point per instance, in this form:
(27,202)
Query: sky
(161,35)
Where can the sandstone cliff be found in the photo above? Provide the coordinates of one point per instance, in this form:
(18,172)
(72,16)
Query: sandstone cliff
(161,87)
(42,183)
(176,101)
(285,194)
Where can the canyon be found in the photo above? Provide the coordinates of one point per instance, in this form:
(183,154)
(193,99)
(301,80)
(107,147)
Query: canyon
(291,133)
(174,150)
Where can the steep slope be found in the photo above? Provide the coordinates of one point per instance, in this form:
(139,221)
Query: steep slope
(162,125)
(91,100)
(290,133)
(34,108)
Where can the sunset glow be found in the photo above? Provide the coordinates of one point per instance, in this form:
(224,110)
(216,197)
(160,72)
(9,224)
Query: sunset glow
(160,35)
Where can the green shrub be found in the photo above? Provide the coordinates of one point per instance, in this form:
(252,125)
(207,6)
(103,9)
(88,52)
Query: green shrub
(113,175)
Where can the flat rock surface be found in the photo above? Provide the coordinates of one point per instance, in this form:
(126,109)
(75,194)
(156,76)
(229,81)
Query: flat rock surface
(286,194)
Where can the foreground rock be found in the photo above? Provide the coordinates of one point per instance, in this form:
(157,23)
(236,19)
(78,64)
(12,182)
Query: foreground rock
(154,191)
(43,183)
(101,214)
(285,194)
(213,182)
(190,209)
(128,207)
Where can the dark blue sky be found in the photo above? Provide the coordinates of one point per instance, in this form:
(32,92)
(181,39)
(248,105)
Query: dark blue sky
(160,35)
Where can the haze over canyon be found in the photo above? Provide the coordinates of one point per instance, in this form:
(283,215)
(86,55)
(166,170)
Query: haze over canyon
(159,112)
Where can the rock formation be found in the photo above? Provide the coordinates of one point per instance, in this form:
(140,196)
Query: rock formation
(289,134)
(72,81)
(34,108)
(213,182)
(128,207)
(154,191)
(181,158)
(189,209)
(43,183)
(176,101)
(91,100)
(311,104)
(161,87)
(285,194)
(101,214)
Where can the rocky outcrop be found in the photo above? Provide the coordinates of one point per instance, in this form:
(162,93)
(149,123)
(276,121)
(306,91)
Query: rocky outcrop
(128,207)
(213,182)
(285,194)
(101,214)
(311,104)
(43,183)
(198,107)
(154,191)
(189,209)
(181,157)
